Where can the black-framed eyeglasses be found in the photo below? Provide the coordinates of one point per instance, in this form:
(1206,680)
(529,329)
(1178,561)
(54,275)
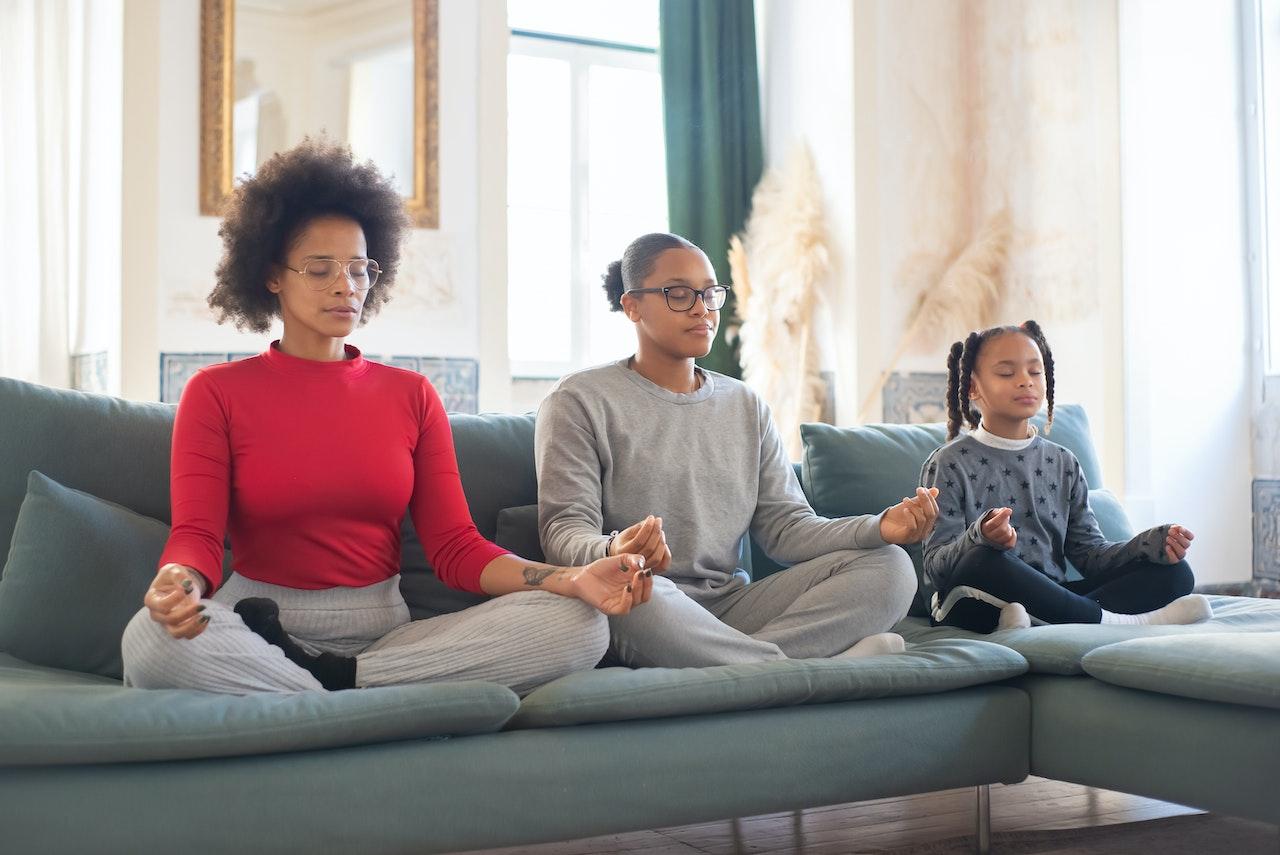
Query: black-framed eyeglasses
(320,273)
(680,298)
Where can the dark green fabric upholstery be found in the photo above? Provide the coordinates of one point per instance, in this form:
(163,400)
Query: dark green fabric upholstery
(1215,756)
(619,694)
(1235,668)
(495,460)
(518,532)
(1061,649)
(110,448)
(51,717)
(93,559)
(527,786)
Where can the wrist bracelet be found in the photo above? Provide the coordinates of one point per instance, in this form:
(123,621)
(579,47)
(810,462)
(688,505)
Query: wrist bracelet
(608,545)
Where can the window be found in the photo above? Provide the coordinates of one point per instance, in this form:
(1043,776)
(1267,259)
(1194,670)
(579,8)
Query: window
(586,173)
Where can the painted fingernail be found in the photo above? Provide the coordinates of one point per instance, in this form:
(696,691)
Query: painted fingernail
(628,587)
(204,618)
(186,585)
(201,607)
(648,573)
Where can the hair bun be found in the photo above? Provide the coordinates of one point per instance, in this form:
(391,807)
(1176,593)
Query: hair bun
(612,283)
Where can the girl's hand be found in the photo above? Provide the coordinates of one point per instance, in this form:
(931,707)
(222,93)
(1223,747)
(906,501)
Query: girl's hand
(174,601)
(1177,542)
(997,529)
(613,585)
(911,520)
(644,538)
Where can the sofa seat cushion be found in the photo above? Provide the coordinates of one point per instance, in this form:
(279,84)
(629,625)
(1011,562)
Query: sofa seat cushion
(54,717)
(619,694)
(1234,668)
(1061,649)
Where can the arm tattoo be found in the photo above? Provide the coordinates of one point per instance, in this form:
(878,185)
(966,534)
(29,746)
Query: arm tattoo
(536,575)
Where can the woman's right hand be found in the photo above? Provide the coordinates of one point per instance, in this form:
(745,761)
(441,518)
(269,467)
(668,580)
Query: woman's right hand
(997,528)
(614,586)
(174,601)
(644,538)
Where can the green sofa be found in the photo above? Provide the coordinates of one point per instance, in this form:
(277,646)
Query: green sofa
(1188,714)
(87,765)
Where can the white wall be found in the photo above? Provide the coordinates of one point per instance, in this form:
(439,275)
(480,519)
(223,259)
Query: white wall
(924,119)
(807,97)
(171,251)
(1186,331)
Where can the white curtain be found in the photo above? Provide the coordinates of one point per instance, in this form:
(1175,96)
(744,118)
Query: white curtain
(60,146)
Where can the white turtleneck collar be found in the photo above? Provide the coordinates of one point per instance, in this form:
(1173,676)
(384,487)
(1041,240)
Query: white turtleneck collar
(986,437)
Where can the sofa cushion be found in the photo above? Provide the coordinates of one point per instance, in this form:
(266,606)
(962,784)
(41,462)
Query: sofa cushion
(52,717)
(495,460)
(1234,668)
(518,532)
(1111,516)
(77,570)
(114,449)
(1060,649)
(495,457)
(618,694)
(863,470)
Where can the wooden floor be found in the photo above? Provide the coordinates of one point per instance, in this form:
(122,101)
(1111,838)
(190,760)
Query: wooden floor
(1036,803)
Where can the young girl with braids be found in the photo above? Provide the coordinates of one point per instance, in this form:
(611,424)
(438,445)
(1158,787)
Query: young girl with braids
(1014,508)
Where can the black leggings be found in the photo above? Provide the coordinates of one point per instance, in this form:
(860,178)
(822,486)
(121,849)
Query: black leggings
(1133,588)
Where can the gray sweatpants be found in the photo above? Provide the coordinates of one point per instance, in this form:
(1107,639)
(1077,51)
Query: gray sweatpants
(519,640)
(814,609)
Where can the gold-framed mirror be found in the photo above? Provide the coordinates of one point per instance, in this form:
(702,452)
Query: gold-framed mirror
(380,43)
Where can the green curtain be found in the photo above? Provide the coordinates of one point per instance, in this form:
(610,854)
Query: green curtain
(711,106)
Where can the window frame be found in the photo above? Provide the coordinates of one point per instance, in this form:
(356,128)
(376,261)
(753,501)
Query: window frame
(580,54)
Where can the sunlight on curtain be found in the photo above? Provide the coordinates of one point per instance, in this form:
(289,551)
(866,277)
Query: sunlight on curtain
(60,147)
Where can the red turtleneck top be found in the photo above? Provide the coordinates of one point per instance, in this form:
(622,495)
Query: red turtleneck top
(310,466)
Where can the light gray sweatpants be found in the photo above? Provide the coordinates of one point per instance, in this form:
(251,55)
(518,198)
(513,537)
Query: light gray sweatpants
(519,640)
(814,609)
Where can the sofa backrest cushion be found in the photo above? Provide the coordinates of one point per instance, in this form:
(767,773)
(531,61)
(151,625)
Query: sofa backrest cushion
(114,449)
(495,459)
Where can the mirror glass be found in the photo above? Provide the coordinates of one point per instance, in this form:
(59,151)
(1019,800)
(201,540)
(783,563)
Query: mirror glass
(310,67)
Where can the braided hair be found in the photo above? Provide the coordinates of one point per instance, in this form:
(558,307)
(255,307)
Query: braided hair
(961,361)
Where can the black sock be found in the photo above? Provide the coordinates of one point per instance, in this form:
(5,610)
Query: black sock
(263,617)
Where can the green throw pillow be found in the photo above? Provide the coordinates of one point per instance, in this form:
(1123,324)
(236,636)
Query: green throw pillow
(518,532)
(77,570)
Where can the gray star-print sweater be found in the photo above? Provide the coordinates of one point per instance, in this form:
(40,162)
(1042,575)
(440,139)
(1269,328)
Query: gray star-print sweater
(1046,490)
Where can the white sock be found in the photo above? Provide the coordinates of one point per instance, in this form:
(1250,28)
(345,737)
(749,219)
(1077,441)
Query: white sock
(1013,616)
(1193,608)
(880,644)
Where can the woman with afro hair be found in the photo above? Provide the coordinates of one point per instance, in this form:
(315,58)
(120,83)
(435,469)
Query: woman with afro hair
(308,454)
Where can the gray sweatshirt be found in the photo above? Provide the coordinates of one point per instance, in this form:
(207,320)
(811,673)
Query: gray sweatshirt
(1045,488)
(612,447)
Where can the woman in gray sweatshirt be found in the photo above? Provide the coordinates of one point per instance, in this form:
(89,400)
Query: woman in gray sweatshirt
(657,456)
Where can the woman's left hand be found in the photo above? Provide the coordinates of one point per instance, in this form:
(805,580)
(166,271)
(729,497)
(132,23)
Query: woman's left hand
(1177,542)
(911,520)
(614,585)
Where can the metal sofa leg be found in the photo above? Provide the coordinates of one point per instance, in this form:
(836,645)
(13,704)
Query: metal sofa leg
(739,846)
(983,836)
